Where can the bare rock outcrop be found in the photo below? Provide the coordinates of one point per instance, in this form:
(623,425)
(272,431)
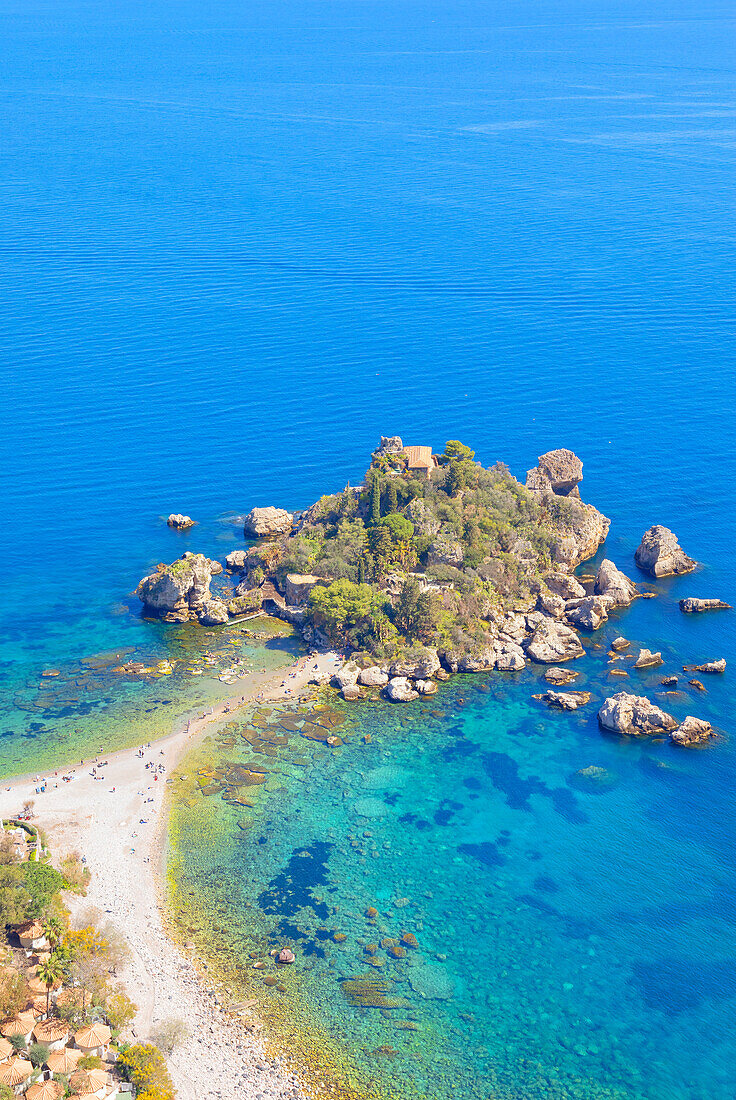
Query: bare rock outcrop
(564,700)
(389,445)
(373,677)
(589,613)
(445,551)
(297,587)
(559,471)
(213,613)
(426,687)
(708,666)
(564,585)
(660,554)
(692,605)
(401,690)
(647,659)
(347,675)
(180,522)
(553,642)
(580,529)
(416,667)
(560,676)
(693,731)
(178,592)
(611,582)
(264,522)
(236,561)
(550,604)
(634,715)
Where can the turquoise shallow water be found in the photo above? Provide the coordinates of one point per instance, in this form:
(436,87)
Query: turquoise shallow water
(574,937)
(239,242)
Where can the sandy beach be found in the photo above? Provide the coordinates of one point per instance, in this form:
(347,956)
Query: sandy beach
(112,812)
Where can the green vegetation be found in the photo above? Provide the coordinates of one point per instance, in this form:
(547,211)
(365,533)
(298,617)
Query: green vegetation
(143,1065)
(410,560)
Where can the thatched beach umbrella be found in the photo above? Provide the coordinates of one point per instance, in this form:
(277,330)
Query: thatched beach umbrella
(89,1082)
(22,1024)
(64,1061)
(45,1090)
(51,1031)
(37,1005)
(15,1072)
(6,1049)
(93,1038)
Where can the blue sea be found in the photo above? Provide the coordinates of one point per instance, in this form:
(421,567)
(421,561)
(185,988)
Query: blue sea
(240,242)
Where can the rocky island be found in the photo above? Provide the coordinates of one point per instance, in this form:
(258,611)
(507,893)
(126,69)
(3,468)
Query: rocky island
(435,565)
(435,562)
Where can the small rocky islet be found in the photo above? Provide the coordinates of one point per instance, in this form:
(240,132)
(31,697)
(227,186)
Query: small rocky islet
(436,565)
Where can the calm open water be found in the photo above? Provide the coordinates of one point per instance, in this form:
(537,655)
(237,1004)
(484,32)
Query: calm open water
(237,243)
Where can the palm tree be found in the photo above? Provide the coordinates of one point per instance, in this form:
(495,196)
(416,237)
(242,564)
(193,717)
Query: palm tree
(50,973)
(52,930)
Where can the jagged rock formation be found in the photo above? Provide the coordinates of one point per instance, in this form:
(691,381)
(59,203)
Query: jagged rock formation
(389,445)
(559,472)
(180,522)
(634,715)
(560,676)
(179,592)
(564,700)
(661,555)
(236,560)
(419,667)
(647,659)
(562,584)
(615,585)
(589,613)
(709,666)
(692,605)
(553,642)
(264,522)
(693,731)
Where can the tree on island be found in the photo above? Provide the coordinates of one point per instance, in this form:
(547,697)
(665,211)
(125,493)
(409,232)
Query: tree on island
(414,613)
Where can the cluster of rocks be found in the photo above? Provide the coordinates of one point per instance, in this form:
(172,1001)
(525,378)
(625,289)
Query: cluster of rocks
(180,592)
(637,716)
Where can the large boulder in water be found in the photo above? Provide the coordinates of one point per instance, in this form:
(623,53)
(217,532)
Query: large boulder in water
(401,690)
(178,592)
(262,522)
(661,555)
(693,731)
(634,715)
(692,605)
(180,522)
(553,642)
(611,582)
